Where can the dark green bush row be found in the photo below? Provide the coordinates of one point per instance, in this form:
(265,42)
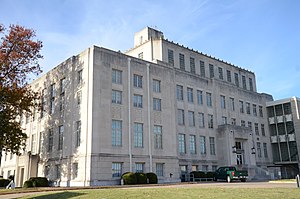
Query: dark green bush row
(36,182)
(131,178)
(201,174)
(4,182)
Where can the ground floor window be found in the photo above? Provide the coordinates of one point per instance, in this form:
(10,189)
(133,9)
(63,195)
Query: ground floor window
(159,169)
(116,169)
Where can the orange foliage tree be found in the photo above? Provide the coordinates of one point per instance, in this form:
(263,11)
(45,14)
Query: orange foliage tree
(19,55)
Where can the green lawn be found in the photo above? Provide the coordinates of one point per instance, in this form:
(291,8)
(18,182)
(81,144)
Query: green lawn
(177,193)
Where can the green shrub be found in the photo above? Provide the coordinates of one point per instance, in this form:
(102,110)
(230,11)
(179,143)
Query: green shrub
(4,182)
(210,174)
(28,184)
(152,178)
(39,181)
(141,178)
(198,174)
(129,178)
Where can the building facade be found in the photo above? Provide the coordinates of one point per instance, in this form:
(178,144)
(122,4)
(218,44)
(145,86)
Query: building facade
(159,107)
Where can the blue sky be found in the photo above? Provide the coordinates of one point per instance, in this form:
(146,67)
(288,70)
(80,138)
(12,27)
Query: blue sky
(260,35)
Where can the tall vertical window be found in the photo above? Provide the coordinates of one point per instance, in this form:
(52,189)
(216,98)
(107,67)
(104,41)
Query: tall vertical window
(78,133)
(265,150)
(116,76)
(171,57)
(116,169)
(236,79)
(250,125)
(233,121)
(180,116)
(250,84)
(138,135)
(62,86)
(139,167)
(156,104)
(138,101)
(190,95)
(248,108)
(192,65)
(199,97)
(52,98)
(201,120)
(210,121)
(232,108)
(47,170)
(208,99)
(116,134)
(191,118)
(220,73)
(244,82)
(60,137)
(179,92)
(75,170)
(61,102)
(79,76)
(192,144)
(58,171)
(212,146)
(33,143)
(260,111)
(181,61)
(138,81)
(157,131)
(211,71)
(224,120)
(116,97)
(223,102)
(241,106)
(243,123)
(43,103)
(228,75)
(254,110)
(156,86)
(263,132)
(202,69)
(159,169)
(202,144)
(258,149)
(79,98)
(256,128)
(50,140)
(181,142)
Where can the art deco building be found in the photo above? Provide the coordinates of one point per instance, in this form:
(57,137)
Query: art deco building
(159,107)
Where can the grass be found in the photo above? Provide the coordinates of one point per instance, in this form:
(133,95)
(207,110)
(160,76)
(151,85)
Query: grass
(155,192)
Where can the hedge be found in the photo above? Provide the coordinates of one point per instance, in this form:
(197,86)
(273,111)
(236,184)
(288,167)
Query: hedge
(129,178)
(152,178)
(4,182)
(141,178)
(28,184)
(36,182)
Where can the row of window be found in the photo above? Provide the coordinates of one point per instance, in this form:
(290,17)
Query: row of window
(192,144)
(259,150)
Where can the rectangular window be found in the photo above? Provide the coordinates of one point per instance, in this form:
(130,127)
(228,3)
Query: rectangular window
(139,167)
(138,81)
(211,71)
(190,95)
(141,55)
(116,76)
(236,79)
(156,104)
(251,84)
(223,102)
(156,86)
(33,143)
(212,146)
(78,133)
(50,140)
(262,127)
(116,169)
(201,120)
(192,65)
(47,170)
(179,92)
(199,97)
(233,121)
(244,82)
(60,137)
(79,77)
(79,98)
(58,171)
(202,69)
(210,121)
(256,128)
(180,116)
(116,97)
(243,123)
(228,75)
(208,99)
(52,98)
(62,86)
(260,111)
(116,133)
(241,106)
(61,103)
(250,125)
(232,108)
(75,170)
(171,57)
(43,103)
(191,118)
(224,120)
(202,145)
(159,169)
(181,141)
(254,110)
(52,105)
(181,61)
(157,131)
(248,108)
(258,149)
(138,135)
(192,144)
(204,168)
(265,150)
(220,73)
(138,101)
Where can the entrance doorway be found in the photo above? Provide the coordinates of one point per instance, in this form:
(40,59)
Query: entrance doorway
(21,178)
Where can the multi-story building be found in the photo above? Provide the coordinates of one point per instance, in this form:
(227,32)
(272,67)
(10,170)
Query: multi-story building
(160,107)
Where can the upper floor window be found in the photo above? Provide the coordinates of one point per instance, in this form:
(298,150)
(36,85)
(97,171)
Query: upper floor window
(179,92)
(180,116)
(210,121)
(138,81)
(248,108)
(181,61)
(192,65)
(181,142)
(199,97)
(220,73)
(208,99)
(202,69)
(171,57)
(190,95)
(228,75)
(116,97)
(156,86)
(251,84)
(236,79)
(138,101)
(211,71)
(116,76)
(260,111)
(79,76)
(254,110)
(244,82)
(156,104)
(232,104)
(223,102)
(138,135)
(62,86)
(141,55)
(241,106)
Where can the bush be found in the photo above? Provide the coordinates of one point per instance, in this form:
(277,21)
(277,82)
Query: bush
(129,178)
(210,174)
(4,182)
(28,184)
(141,178)
(152,177)
(198,174)
(39,181)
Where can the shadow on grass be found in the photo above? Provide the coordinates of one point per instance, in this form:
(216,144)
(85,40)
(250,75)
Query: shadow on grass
(65,194)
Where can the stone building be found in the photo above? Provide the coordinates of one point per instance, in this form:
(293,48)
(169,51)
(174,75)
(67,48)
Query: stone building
(159,107)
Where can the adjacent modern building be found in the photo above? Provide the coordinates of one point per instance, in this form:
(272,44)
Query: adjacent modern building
(159,107)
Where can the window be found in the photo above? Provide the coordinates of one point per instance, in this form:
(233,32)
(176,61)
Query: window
(50,140)
(138,81)
(179,92)
(138,135)
(58,171)
(256,128)
(116,169)
(233,121)
(214,168)
(212,146)
(52,105)
(79,77)
(191,118)
(248,108)
(236,79)
(250,125)
(192,144)
(224,120)
(228,75)
(204,167)
(79,98)
(251,84)
(33,143)
(171,57)
(243,123)
(47,170)
(180,116)
(61,103)
(43,103)
(201,120)
(78,133)
(181,61)
(254,110)
(52,98)
(156,86)
(60,137)
(138,101)
(141,55)
(156,104)
(190,95)
(202,69)
(62,86)
(116,76)
(208,100)
(192,65)
(211,71)
(116,97)
(220,73)
(260,111)
(157,131)
(139,167)
(210,121)
(241,106)
(199,97)
(262,127)
(202,145)
(265,150)
(244,82)
(116,133)
(258,149)
(159,169)
(75,170)
(181,141)
(232,108)
(223,102)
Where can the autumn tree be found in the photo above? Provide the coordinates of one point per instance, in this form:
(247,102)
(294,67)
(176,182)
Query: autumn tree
(19,55)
